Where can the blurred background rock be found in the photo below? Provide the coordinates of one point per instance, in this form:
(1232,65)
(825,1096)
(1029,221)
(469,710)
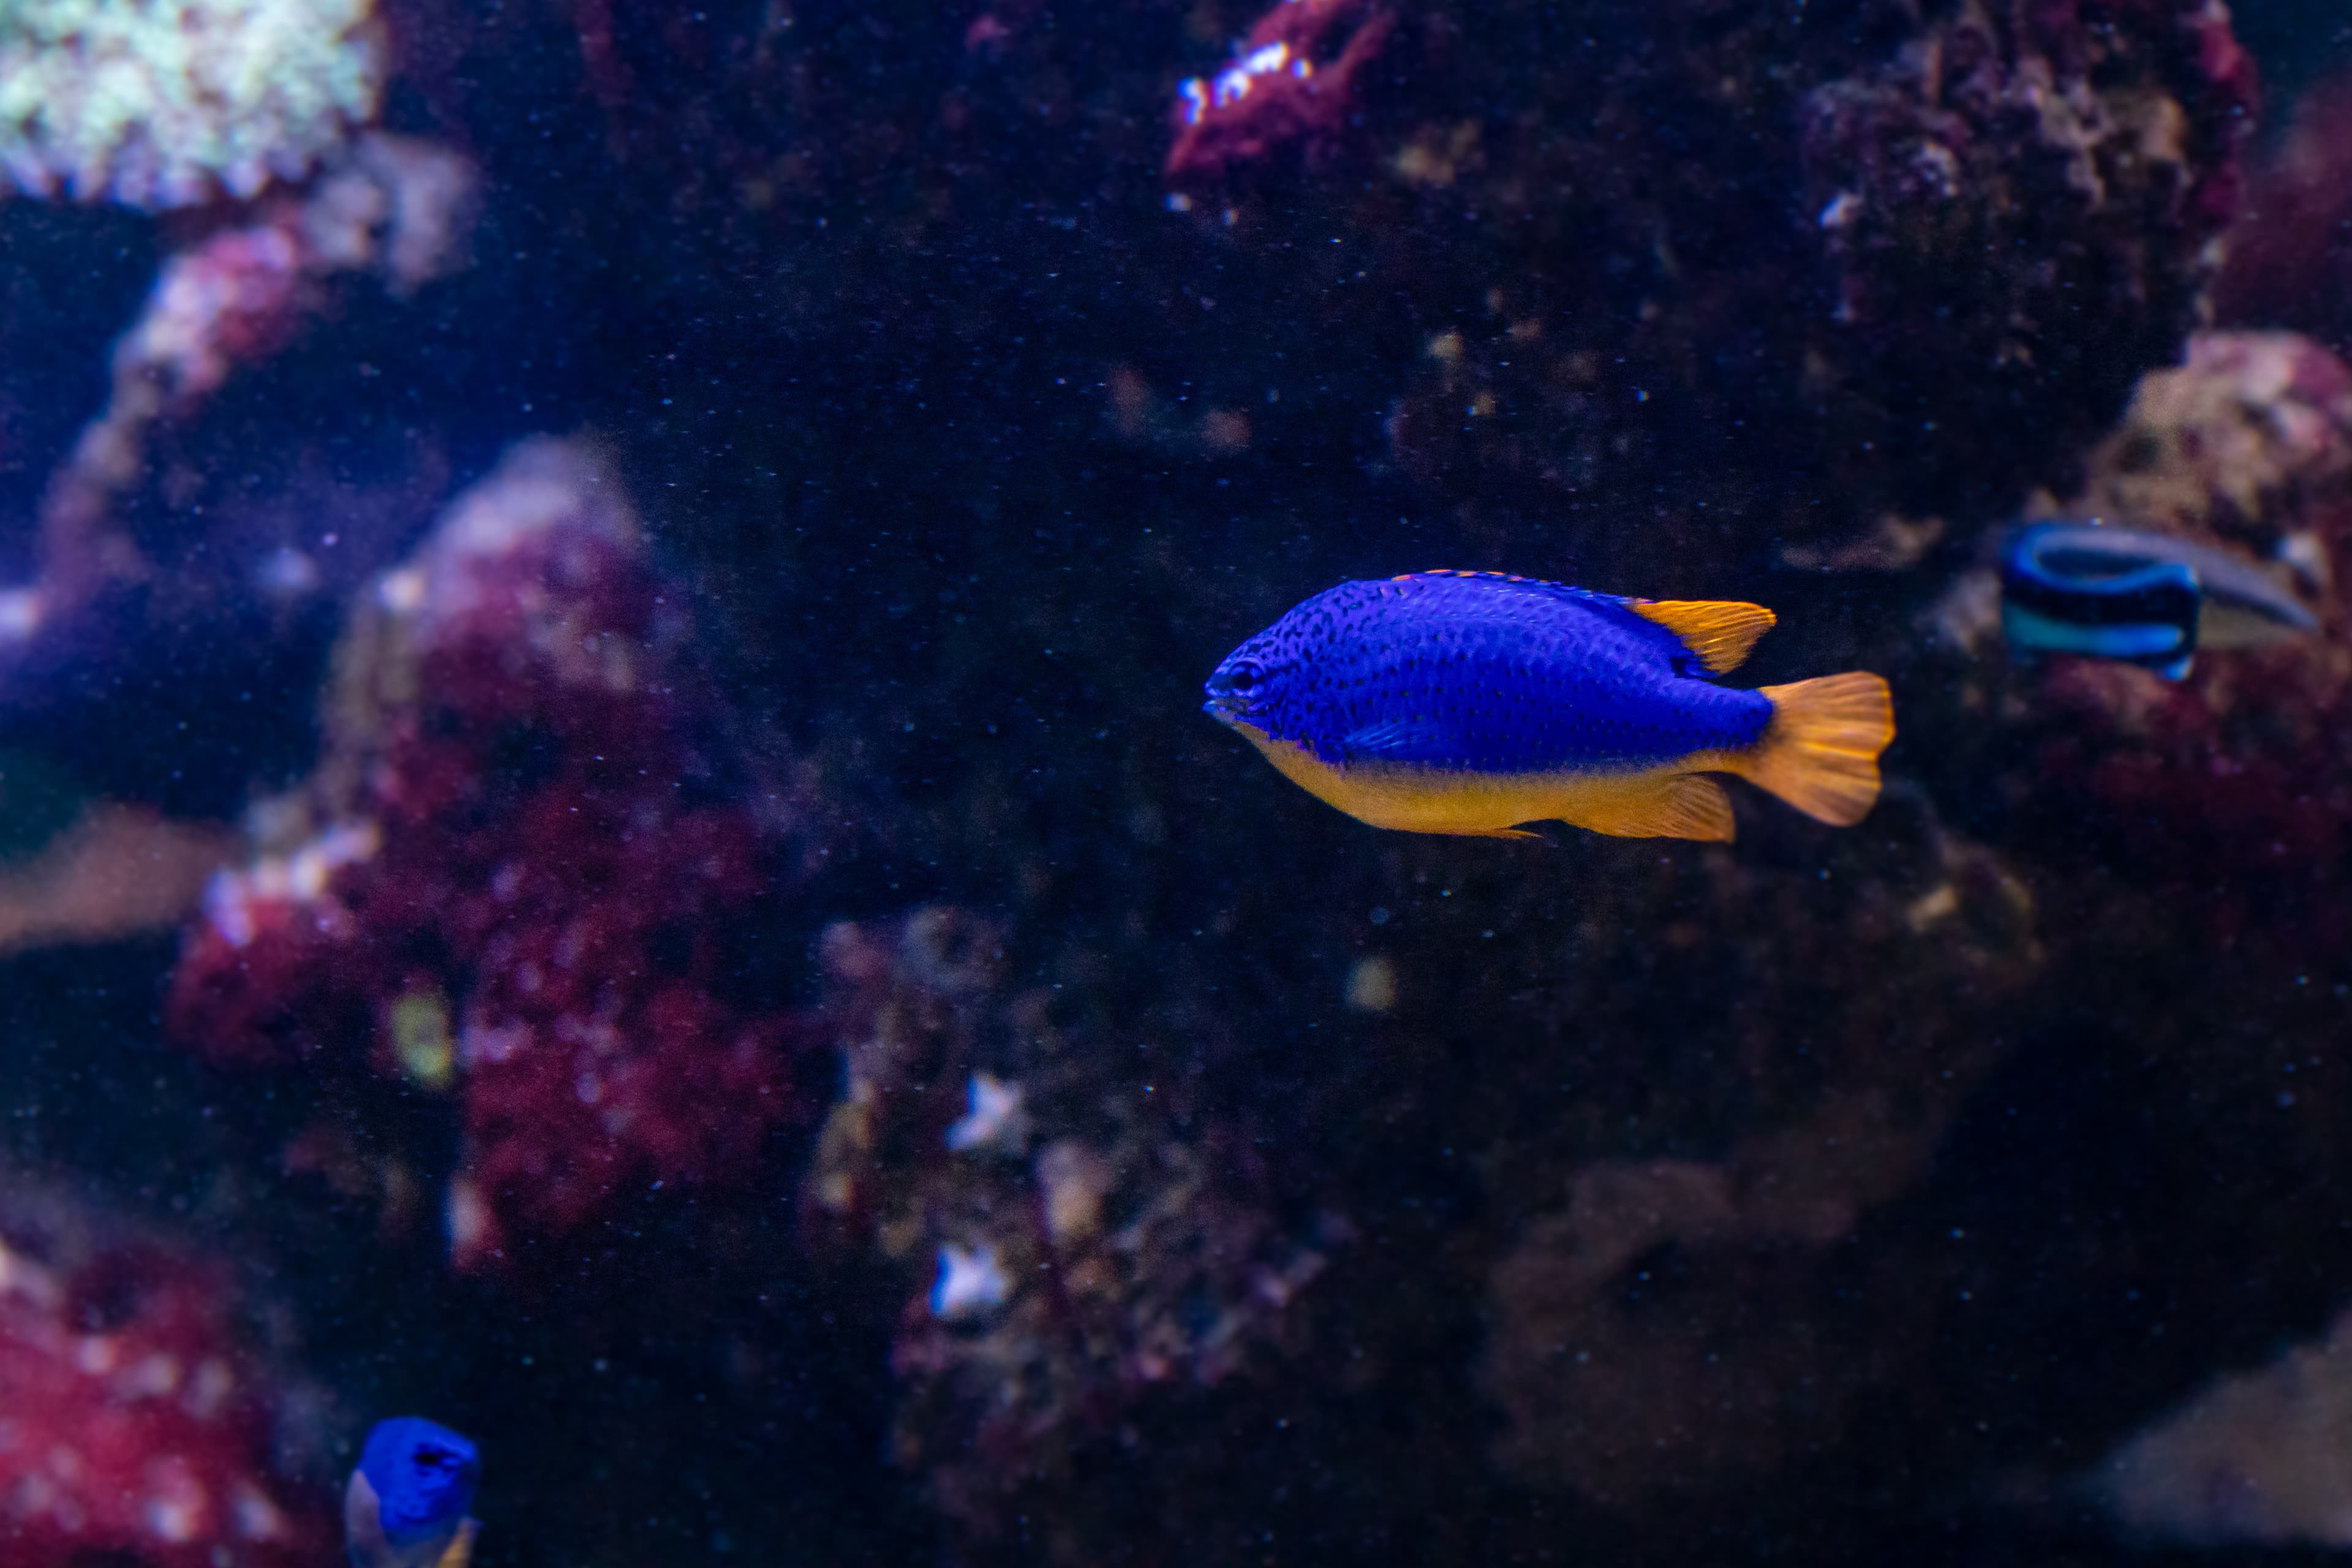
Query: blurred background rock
(1371,1198)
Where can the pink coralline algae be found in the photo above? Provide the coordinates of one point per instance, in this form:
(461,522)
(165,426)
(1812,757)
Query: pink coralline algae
(1291,85)
(395,208)
(530,851)
(1074,1263)
(238,296)
(136,1424)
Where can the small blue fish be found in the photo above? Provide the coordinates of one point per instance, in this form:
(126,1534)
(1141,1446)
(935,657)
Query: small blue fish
(405,1506)
(2140,597)
(1469,701)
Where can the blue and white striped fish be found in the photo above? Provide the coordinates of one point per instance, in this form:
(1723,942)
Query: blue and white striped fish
(2138,596)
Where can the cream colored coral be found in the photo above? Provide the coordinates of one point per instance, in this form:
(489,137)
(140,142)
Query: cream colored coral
(162,103)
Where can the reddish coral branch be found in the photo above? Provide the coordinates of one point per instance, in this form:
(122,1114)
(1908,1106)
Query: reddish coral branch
(1292,84)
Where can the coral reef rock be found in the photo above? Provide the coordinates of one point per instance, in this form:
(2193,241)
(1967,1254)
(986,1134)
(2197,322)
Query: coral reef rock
(164,103)
(1078,1263)
(534,875)
(2248,439)
(1740,253)
(395,209)
(1684,1327)
(137,1421)
(1292,84)
(2264,1456)
(116,871)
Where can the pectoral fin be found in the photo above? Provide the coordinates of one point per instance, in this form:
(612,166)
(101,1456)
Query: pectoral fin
(1399,740)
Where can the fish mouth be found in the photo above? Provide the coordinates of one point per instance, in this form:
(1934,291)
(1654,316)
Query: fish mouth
(1225,710)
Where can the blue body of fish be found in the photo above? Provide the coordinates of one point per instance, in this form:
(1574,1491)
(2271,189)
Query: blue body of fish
(408,1502)
(1490,674)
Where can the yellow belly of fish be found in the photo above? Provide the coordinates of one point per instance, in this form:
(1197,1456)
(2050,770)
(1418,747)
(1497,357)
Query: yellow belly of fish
(1670,801)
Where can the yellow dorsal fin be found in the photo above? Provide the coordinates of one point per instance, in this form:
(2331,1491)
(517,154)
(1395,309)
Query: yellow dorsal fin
(1720,631)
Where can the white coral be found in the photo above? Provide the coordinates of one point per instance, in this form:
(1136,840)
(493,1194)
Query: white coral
(164,103)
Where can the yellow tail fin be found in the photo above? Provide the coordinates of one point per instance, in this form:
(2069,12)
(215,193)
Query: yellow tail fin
(1821,755)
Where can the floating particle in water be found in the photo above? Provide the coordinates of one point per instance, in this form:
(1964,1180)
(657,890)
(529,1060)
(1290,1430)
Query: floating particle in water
(1372,984)
(419,1028)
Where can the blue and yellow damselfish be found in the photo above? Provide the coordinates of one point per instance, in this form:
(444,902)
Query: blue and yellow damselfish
(405,1506)
(1470,702)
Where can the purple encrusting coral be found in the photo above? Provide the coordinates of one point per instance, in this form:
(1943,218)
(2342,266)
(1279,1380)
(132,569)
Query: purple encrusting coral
(527,847)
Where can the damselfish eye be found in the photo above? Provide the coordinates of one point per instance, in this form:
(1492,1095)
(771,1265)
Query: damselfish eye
(1244,679)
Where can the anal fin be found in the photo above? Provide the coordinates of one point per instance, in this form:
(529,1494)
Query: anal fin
(1653,805)
(1719,631)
